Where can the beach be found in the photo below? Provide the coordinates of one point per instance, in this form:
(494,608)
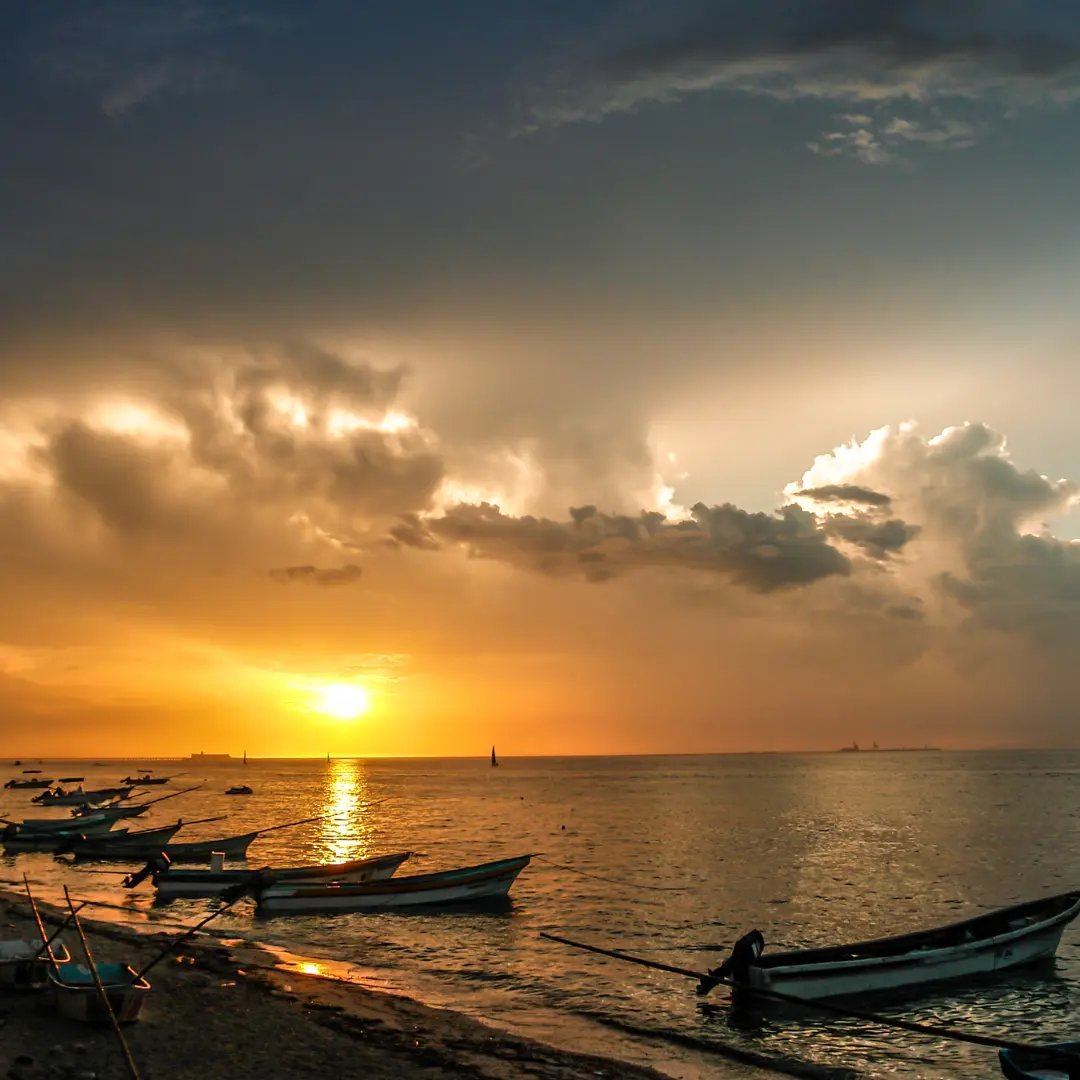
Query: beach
(210,1014)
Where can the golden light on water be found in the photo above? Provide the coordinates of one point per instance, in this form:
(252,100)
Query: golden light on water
(343,701)
(308,968)
(346,827)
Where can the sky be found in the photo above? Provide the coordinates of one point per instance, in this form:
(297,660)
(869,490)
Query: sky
(622,377)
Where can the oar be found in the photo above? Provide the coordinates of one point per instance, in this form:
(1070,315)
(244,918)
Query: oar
(133,1070)
(175,943)
(932,1030)
(172,795)
(289,824)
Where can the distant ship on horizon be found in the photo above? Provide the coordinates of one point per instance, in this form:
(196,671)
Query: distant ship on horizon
(200,756)
(856,748)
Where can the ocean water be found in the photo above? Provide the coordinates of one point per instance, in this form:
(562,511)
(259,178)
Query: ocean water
(671,858)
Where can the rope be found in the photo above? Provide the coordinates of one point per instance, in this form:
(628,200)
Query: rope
(611,880)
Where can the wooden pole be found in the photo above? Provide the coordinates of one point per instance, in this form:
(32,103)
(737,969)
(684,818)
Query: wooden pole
(932,1030)
(46,941)
(129,1061)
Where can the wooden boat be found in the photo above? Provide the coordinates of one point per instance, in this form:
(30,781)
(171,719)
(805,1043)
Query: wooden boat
(232,847)
(16,842)
(1049,1065)
(78,797)
(24,965)
(72,779)
(110,811)
(171,882)
(997,941)
(147,781)
(122,841)
(239,789)
(100,822)
(77,997)
(462,886)
(16,784)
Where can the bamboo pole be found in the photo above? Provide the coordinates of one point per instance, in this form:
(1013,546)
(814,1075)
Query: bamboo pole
(129,1061)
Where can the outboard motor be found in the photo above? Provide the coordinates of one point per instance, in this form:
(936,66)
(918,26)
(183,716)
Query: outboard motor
(736,967)
(154,866)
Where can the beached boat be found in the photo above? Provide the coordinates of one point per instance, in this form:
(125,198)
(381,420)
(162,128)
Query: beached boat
(77,996)
(1049,1064)
(17,784)
(171,882)
(997,941)
(24,965)
(465,885)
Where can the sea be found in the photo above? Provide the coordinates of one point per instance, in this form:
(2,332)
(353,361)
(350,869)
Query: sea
(668,858)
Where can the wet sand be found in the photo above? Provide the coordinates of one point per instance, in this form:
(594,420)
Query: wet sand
(211,1015)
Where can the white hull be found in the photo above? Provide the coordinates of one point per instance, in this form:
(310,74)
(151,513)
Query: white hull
(469,885)
(176,884)
(1025,943)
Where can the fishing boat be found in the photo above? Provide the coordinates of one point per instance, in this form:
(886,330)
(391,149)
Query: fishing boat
(77,996)
(171,882)
(91,823)
(24,965)
(72,779)
(1049,1063)
(144,779)
(997,941)
(18,784)
(240,789)
(466,885)
(122,841)
(78,797)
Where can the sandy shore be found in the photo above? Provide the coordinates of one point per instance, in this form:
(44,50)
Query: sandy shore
(210,1016)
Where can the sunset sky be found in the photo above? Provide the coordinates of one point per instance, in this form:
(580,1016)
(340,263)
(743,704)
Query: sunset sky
(576,377)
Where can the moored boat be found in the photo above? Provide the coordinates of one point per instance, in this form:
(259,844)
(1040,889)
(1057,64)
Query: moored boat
(240,789)
(171,882)
(16,784)
(232,847)
(24,965)
(1051,1063)
(88,824)
(122,841)
(999,940)
(464,885)
(79,797)
(77,995)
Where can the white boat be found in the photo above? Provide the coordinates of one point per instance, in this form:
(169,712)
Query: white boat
(97,822)
(465,885)
(77,996)
(171,882)
(24,965)
(997,941)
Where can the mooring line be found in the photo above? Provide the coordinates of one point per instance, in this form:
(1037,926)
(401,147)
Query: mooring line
(611,880)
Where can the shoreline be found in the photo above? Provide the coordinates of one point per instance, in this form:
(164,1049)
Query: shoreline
(213,1014)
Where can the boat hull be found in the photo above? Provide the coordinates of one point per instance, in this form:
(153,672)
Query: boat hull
(23,967)
(1031,1065)
(1022,935)
(77,997)
(172,884)
(467,885)
(232,847)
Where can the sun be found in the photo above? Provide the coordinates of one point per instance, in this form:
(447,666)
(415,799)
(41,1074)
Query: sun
(344,701)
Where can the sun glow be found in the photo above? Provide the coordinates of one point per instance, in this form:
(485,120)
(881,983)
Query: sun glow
(344,701)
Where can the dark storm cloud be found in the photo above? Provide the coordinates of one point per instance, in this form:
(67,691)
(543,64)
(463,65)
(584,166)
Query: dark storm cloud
(877,538)
(762,552)
(841,50)
(847,493)
(313,575)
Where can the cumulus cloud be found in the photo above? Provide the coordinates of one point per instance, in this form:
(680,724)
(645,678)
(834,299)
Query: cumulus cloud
(843,51)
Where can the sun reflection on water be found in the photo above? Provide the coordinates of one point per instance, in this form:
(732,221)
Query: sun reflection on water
(346,828)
